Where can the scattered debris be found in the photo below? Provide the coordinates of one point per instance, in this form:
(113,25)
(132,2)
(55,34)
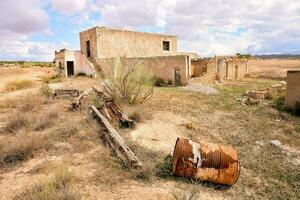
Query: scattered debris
(207,162)
(66,93)
(251,102)
(268,93)
(261,94)
(114,141)
(276,143)
(260,143)
(78,101)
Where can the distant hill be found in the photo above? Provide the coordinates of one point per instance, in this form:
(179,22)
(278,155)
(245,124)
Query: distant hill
(281,56)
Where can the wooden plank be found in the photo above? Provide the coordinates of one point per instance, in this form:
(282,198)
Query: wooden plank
(113,140)
(112,111)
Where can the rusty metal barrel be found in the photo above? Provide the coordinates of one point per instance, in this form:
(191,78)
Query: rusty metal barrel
(206,161)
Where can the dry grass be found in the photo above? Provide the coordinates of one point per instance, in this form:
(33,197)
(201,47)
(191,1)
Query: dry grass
(57,188)
(24,103)
(19,85)
(17,122)
(46,120)
(20,148)
(52,79)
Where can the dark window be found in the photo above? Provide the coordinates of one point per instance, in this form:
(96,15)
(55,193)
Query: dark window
(166,45)
(88,49)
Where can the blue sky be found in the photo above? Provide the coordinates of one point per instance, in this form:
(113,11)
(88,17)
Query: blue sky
(33,29)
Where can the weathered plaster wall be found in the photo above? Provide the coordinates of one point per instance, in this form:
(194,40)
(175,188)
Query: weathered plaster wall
(89,35)
(292,89)
(109,43)
(161,66)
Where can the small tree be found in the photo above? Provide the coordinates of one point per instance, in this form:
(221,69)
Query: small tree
(132,84)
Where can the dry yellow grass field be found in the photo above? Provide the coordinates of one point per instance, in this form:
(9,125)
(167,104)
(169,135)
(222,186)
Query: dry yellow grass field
(272,68)
(49,152)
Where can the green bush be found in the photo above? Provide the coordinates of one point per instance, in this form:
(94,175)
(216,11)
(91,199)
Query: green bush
(131,84)
(279,102)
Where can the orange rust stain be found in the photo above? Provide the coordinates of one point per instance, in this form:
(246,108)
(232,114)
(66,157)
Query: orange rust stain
(219,164)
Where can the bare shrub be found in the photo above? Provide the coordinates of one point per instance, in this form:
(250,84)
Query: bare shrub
(19,85)
(16,122)
(20,148)
(131,84)
(46,120)
(57,188)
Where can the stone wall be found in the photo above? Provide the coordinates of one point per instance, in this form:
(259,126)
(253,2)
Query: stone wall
(161,66)
(292,88)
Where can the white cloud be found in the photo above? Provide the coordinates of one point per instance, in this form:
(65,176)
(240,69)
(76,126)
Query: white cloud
(22,17)
(28,50)
(69,7)
(213,26)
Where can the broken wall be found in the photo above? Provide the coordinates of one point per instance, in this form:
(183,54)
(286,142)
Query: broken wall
(161,66)
(231,68)
(292,89)
(198,67)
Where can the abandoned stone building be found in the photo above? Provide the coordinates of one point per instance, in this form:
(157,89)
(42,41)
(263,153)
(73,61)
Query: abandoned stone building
(100,46)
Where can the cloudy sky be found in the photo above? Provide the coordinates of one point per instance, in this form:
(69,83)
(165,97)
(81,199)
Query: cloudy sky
(33,29)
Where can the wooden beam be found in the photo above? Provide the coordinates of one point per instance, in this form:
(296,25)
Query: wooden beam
(114,141)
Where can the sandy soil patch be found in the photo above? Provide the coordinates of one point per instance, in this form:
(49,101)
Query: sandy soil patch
(161,132)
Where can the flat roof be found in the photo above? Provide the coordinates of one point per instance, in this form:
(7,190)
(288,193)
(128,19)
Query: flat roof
(124,30)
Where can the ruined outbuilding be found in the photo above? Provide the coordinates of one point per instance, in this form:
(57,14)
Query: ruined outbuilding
(220,68)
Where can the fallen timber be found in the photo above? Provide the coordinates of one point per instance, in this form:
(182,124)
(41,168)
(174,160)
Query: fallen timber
(114,141)
(77,104)
(112,111)
(66,93)
(206,162)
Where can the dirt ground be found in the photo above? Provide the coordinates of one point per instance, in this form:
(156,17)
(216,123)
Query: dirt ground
(31,154)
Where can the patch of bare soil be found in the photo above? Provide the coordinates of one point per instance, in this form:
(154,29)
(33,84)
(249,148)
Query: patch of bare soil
(160,132)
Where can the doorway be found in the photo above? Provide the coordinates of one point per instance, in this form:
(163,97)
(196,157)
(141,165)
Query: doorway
(226,70)
(70,68)
(177,78)
(236,72)
(88,49)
